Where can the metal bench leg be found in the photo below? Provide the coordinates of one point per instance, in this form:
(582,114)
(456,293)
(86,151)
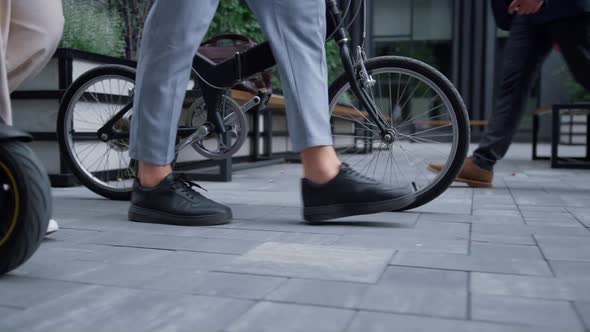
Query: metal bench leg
(556,124)
(535,135)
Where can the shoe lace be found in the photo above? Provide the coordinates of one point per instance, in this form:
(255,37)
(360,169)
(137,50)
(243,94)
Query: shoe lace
(186,185)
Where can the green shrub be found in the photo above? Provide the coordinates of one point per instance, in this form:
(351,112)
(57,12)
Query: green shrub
(93,29)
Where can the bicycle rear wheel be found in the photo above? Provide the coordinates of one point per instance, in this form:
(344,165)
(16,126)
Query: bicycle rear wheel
(93,99)
(426,113)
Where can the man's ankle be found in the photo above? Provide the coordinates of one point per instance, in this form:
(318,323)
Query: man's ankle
(150,176)
(482,164)
(320,164)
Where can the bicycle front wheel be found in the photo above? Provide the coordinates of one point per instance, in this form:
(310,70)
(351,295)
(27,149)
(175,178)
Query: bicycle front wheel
(423,109)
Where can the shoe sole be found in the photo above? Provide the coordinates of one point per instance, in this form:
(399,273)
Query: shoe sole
(471,183)
(139,214)
(328,212)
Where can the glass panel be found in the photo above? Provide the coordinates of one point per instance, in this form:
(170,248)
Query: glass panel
(433,20)
(435,53)
(392,17)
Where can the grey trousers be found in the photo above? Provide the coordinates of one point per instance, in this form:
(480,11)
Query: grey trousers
(526,50)
(172,34)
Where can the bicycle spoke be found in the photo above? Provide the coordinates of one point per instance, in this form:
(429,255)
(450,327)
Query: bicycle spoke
(424,133)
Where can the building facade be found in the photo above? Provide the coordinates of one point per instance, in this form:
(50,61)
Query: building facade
(460,38)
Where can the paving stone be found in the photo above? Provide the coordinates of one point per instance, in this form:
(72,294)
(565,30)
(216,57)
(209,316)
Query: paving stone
(221,246)
(537,208)
(267,316)
(416,300)
(18,292)
(409,241)
(240,234)
(134,311)
(203,261)
(74,235)
(451,228)
(536,197)
(306,238)
(564,247)
(508,206)
(424,278)
(236,285)
(6,312)
(140,240)
(253,212)
(383,322)
(320,292)
(505,251)
(482,219)
(497,212)
(583,309)
(554,314)
(502,239)
(132,276)
(529,229)
(523,286)
(472,263)
(547,215)
(310,261)
(556,223)
(56,268)
(582,214)
(571,270)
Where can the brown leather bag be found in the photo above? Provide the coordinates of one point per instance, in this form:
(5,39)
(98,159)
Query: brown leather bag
(222,47)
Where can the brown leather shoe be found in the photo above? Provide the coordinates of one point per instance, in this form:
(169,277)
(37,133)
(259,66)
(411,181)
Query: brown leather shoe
(473,175)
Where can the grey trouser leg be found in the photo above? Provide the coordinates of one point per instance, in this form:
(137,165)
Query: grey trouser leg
(297,33)
(296,30)
(171,36)
(527,48)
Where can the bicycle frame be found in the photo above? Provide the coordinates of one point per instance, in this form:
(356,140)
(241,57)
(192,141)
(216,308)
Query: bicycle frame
(212,76)
(260,58)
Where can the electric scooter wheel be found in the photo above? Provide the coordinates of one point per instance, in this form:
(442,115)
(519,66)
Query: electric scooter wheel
(25,204)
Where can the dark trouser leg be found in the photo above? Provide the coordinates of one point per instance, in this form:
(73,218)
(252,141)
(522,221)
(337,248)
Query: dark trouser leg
(525,52)
(573,37)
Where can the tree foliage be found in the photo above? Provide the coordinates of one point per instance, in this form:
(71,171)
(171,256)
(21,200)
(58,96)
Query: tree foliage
(92,28)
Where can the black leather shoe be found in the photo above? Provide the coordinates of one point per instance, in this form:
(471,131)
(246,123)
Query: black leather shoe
(175,202)
(350,194)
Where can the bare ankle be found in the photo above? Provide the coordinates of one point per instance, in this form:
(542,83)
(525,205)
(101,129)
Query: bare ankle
(320,164)
(151,175)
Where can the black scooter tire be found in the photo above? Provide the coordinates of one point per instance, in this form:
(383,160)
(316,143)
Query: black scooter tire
(30,212)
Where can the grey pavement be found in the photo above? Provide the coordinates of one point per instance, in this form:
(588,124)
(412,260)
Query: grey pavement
(513,258)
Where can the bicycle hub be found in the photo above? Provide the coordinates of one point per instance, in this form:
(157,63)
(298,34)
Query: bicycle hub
(389,136)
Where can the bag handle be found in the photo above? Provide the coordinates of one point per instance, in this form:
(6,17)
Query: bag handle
(229,36)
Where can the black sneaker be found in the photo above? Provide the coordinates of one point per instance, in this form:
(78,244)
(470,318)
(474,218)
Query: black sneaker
(350,194)
(175,202)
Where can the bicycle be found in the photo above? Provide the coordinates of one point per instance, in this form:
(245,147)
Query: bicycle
(390,140)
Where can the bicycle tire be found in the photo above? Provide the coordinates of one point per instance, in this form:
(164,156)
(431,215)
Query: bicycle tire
(458,107)
(68,155)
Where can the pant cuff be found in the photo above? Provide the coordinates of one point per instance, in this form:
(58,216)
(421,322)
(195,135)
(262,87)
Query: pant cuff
(313,142)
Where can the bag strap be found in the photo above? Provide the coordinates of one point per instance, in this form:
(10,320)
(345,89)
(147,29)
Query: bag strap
(229,36)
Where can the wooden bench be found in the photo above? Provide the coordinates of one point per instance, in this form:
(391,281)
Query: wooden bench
(277,102)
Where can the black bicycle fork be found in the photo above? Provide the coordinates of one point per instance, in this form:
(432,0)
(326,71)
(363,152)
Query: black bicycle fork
(354,71)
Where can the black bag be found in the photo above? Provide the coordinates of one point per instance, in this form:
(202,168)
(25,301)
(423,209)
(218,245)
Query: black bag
(223,47)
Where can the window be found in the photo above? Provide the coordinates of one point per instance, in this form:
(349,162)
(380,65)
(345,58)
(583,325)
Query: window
(421,29)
